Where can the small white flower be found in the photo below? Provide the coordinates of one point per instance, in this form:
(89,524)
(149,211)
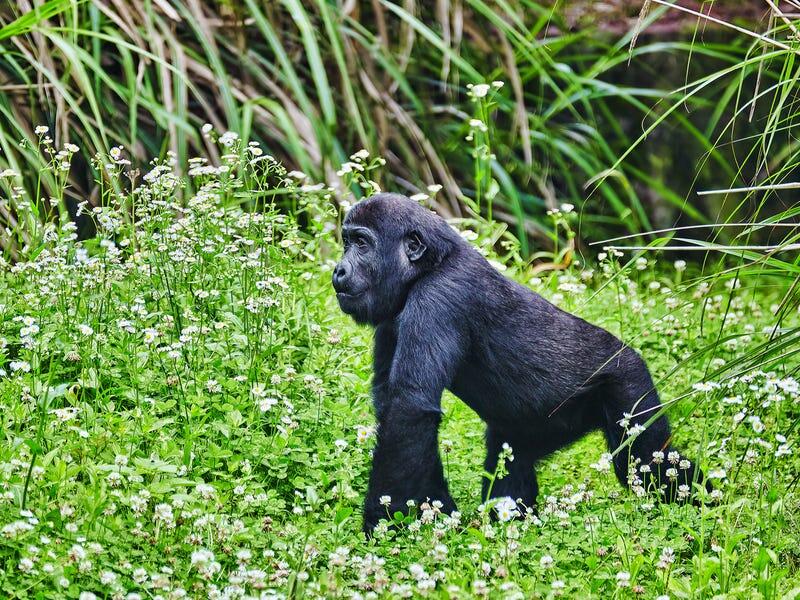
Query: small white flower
(20,365)
(26,565)
(108,577)
(479,90)
(705,386)
(205,490)
(506,509)
(477,124)
(202,557)
(363,433)
(265,404)
(623,579)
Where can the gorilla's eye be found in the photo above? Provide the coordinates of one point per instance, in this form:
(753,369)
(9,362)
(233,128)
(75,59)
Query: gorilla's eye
(359,241)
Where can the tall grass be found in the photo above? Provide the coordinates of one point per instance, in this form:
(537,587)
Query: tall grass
(316,81)
(755,232)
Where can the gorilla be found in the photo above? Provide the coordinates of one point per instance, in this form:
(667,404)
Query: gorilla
(540,378)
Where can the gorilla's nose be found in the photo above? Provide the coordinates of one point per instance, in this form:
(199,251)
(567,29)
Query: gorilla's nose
(340,274)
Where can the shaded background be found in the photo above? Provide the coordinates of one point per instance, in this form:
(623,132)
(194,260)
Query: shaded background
(315,81)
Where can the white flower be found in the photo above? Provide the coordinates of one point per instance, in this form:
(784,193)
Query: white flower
(205,490)
(202,557)
(385,500)
(705,386)
(26,565)
(546,561)
(41,130)
(603,465)
(85,330)
(228,138)
(265,404)
(163,513)
(635,430)
(680,265)
(756,423)
(363,433)
(479,90)
(139,575)
(506,509)
(108,577)
(20,365)
(623,579)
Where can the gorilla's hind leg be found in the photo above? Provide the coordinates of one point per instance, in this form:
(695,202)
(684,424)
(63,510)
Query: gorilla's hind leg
(648,462)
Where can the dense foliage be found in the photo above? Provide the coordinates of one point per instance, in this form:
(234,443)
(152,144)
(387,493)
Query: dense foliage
(186,413)
(315,81)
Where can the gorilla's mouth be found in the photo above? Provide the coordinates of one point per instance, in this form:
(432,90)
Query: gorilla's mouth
(350,296)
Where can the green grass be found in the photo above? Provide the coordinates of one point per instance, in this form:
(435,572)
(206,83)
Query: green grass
(186,412)
(313,83)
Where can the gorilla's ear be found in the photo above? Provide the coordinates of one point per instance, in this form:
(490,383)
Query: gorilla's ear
(414,246)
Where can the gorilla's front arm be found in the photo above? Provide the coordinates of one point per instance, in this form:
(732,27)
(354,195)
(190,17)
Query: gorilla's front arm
(410,375)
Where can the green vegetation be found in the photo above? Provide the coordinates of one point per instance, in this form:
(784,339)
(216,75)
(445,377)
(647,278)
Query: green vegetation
(185,412)
(315,81)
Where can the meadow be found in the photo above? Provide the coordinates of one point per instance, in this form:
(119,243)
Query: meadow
(186,413)
(184,410)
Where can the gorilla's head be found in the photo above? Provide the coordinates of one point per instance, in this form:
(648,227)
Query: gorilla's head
(390,241)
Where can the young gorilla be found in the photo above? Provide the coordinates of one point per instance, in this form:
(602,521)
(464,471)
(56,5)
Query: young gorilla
(444,318)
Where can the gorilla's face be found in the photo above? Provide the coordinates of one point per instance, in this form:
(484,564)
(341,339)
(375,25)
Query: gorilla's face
(357,274)
(389,242)
(373,277)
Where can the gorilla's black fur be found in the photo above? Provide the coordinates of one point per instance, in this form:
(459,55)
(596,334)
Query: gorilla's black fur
(445,318)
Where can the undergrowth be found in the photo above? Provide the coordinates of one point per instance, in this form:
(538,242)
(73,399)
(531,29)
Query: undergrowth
(185,413)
